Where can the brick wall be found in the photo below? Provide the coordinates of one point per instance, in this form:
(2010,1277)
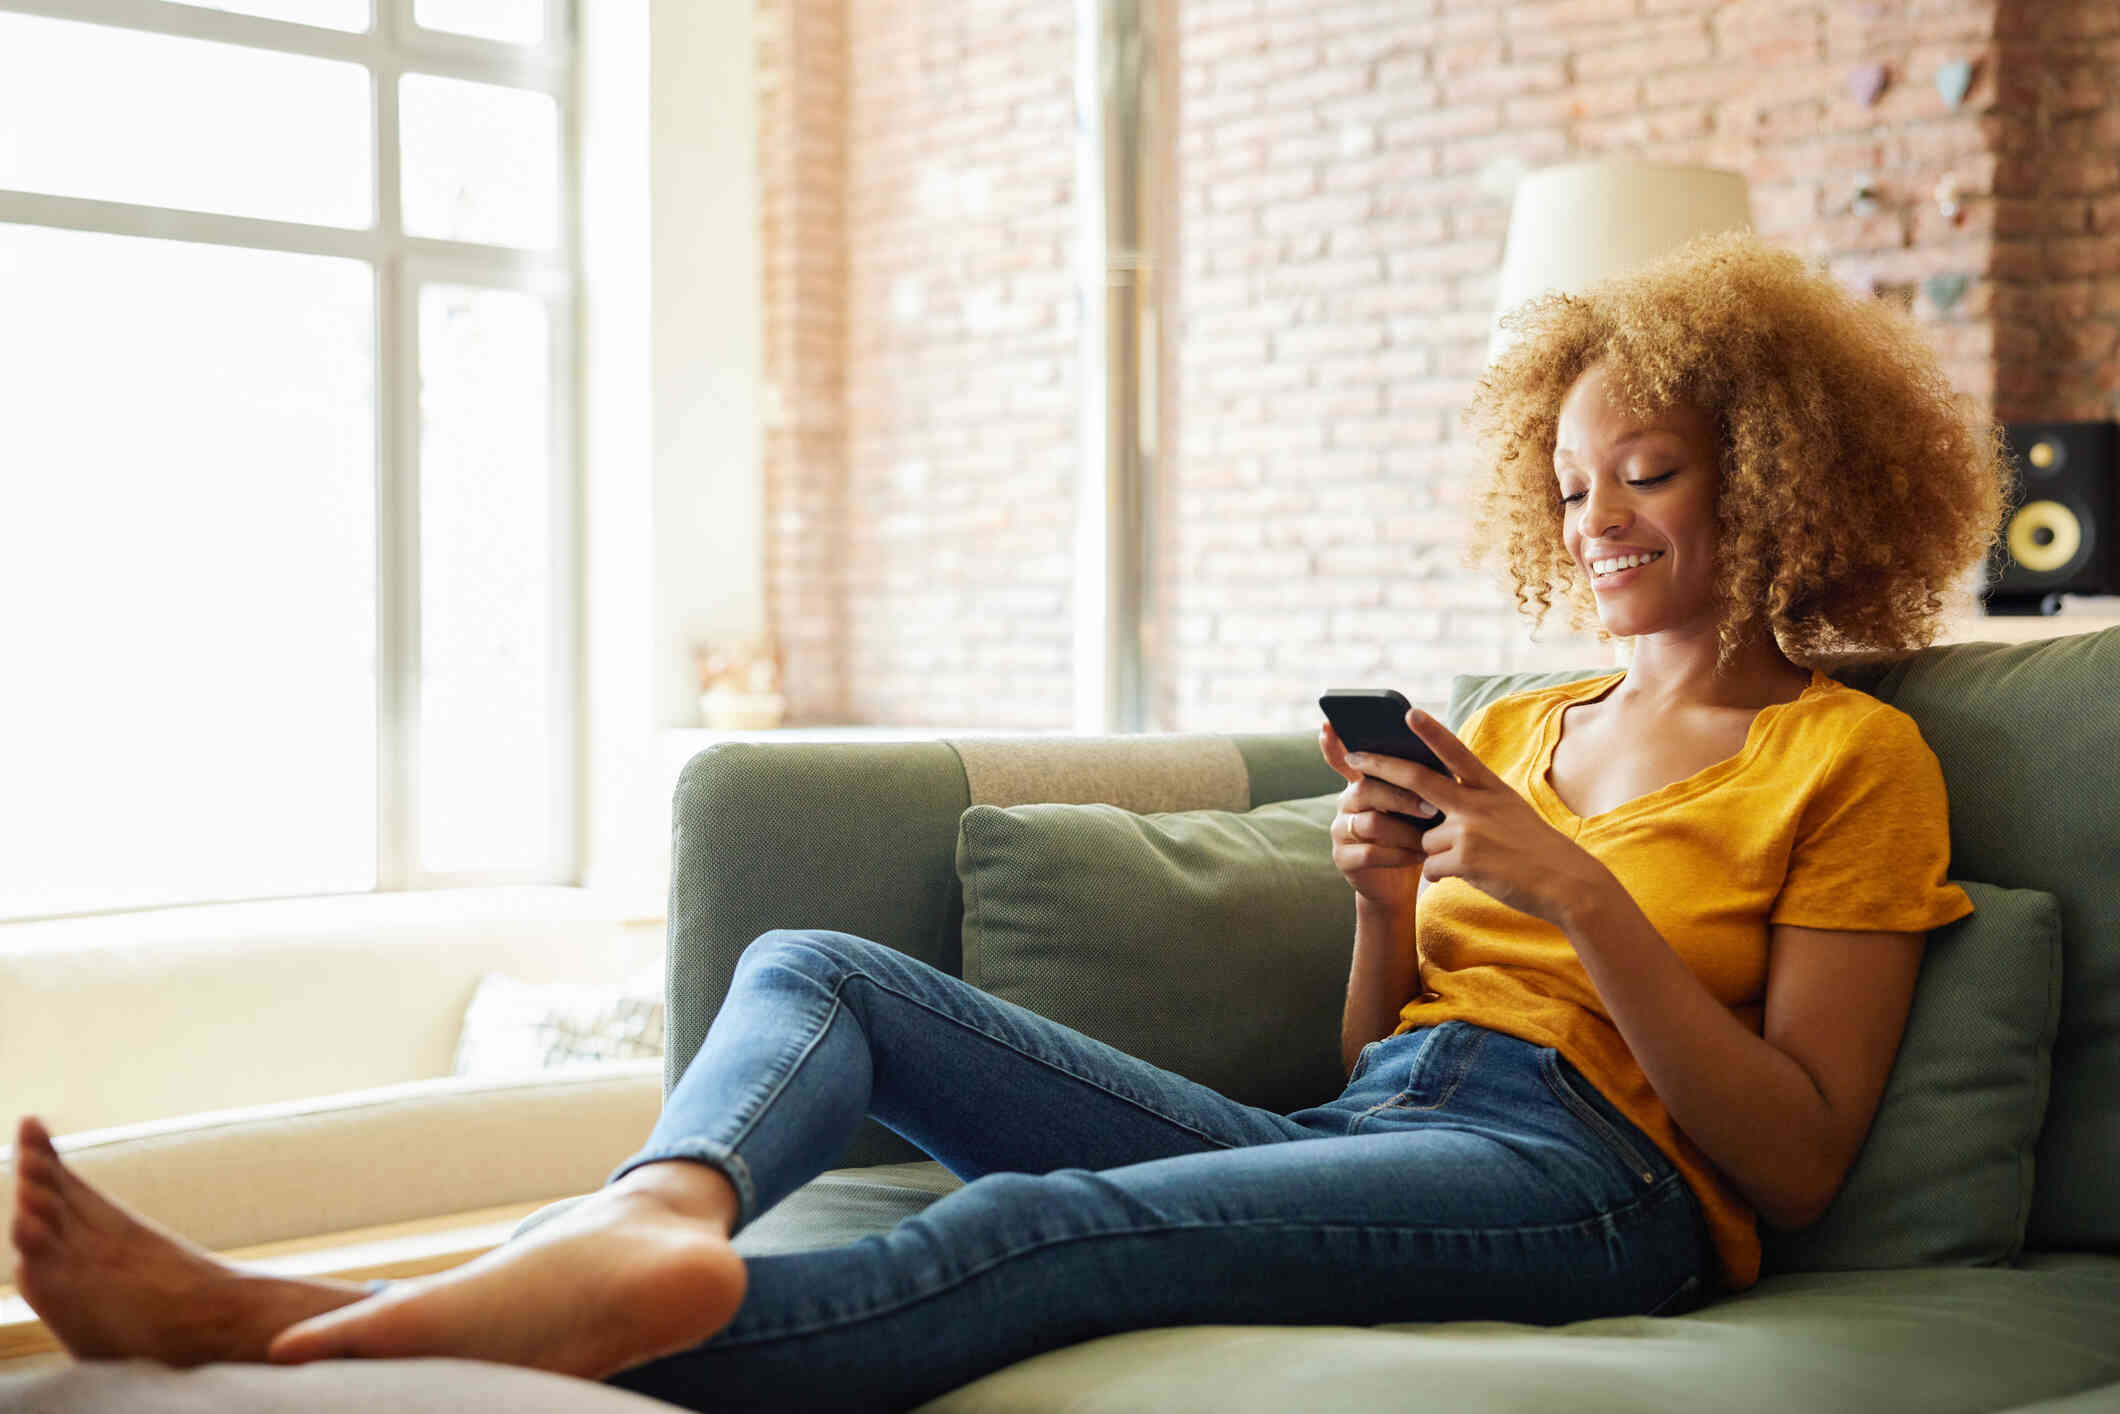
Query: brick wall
(802,137)
(2056,214)
(1343,178)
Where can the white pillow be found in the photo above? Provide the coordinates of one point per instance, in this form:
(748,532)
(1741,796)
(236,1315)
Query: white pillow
(513,1025)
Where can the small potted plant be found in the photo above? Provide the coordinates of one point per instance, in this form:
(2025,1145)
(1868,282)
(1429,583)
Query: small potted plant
(739,685)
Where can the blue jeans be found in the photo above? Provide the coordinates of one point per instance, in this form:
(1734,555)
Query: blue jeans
(1462,1174)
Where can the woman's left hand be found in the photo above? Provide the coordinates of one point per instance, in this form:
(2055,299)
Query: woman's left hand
(1491,837)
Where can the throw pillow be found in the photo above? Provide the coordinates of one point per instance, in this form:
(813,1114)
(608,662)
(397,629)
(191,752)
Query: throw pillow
(1945,1175)
(1211,943)
(513,1025)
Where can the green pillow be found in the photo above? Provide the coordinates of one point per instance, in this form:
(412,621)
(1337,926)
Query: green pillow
(1945,1176)
(1212,943)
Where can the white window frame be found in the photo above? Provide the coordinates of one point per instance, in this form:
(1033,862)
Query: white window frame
(402,265)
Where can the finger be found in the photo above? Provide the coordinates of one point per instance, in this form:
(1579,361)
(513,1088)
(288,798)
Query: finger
(1410,776)
(1371,794)
(1375,829)
(1336,754)
(1454,753)
(1442,740)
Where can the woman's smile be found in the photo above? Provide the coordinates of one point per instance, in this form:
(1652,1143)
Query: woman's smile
(1622,578)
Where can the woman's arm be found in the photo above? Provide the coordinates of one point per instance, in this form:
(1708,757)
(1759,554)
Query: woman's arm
(1385,974)
(1781,1115)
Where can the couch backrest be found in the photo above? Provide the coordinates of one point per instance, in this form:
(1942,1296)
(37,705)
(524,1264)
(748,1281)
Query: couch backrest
(2028,736)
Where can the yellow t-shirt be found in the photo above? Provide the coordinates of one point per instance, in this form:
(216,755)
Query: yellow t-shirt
(1832,815)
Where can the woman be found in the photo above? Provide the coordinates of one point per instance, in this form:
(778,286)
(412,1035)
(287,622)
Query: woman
(1639,990)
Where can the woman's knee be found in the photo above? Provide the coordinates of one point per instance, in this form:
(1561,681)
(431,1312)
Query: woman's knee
(815,952)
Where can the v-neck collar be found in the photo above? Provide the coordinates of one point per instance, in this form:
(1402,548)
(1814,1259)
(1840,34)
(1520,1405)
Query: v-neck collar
(1707,777)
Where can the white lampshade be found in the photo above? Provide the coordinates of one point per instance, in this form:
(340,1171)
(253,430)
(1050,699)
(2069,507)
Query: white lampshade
(1574,225)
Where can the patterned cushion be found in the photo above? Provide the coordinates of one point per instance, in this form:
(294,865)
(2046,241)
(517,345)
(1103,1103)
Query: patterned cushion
(513,1026)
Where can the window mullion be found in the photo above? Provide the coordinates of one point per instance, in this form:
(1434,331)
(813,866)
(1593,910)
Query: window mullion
(397,501)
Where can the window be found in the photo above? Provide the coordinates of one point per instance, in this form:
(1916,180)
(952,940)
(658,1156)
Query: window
(288,578)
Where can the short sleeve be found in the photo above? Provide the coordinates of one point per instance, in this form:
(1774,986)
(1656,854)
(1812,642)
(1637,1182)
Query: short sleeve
(1475,727)
(1873,844)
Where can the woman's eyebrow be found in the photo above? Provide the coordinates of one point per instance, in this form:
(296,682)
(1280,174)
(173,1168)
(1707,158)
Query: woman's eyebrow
(1561,453)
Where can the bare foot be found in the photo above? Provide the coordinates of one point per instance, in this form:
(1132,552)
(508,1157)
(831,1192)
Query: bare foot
(112,1284)
(635,1272)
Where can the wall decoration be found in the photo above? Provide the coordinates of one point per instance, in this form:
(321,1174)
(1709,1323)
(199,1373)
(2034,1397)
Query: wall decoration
(1945,290)
(1865,82)
(1953,79)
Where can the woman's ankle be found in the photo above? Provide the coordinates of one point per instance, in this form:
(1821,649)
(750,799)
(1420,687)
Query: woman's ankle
(697,1190)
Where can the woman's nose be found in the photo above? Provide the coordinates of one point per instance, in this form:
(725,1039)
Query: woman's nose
(1604,511)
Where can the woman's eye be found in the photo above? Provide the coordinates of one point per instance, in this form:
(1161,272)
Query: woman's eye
(1645,481)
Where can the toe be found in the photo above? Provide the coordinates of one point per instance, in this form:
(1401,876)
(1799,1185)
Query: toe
(314,1339)
(31,1137)
(33,1237)
(41,1204)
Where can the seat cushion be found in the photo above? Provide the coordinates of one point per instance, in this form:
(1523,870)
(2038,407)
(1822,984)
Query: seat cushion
(1939,1340)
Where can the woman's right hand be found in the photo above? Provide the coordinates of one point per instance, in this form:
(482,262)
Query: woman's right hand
(1380,854)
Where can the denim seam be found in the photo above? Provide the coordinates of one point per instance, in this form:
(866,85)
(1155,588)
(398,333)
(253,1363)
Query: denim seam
(1142,1105)
(1549,1069)
(1600,1219)
(1464,1068)
(709,1152)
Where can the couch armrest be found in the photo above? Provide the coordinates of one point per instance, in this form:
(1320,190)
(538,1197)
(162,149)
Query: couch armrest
(861,837)
(267,1173)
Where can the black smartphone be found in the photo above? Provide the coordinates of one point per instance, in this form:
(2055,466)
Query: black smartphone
(1373,719)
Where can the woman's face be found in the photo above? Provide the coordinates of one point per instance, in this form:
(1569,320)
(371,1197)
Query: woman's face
(1629,487)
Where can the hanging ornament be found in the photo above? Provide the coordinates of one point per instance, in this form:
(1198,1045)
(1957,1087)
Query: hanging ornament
(1865,82)
(1945,290)
(1947,200)
(1953,79)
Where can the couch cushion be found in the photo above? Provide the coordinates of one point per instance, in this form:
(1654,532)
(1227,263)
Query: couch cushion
(2025,736)
(1938,1340)
(1212,943)
(1945,1176)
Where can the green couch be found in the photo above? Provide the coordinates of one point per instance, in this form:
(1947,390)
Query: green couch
(2008,1297)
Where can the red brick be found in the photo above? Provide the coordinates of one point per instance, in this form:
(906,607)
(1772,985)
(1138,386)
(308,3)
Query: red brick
(1562,14)
(1429,126)
(2085,19)
(2083,255)
(1677,52)
(1505,81)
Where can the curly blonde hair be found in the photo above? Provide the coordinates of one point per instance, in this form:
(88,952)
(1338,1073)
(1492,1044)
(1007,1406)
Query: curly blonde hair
(1855,480)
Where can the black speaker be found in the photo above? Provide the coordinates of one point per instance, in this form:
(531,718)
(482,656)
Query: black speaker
(2058,530)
